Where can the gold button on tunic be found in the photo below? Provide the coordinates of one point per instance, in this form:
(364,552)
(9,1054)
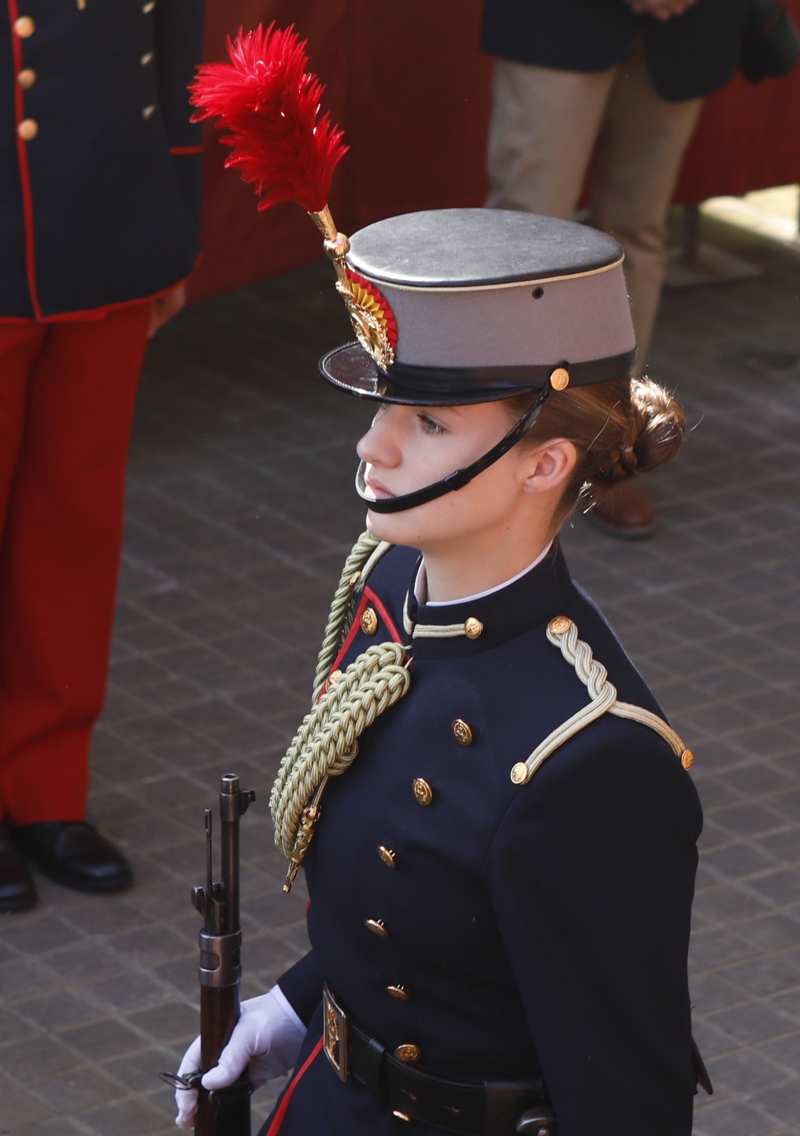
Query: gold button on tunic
(473,628)
(24,26)
(369,621)
(399,992)
(388,856)
(423,794)
(462,732)
(377,927)
(559,625)
(26,78)
(28,129)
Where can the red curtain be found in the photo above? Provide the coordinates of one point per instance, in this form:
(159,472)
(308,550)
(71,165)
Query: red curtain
(412,91)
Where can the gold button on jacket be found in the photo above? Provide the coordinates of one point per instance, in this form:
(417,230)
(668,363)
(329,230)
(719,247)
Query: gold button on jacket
(559,625)
(423,794)
(398,992)
(388,856)
(473,628)
(377,927)
(24,26)
(462,732)
(369,621)
(28,129)
(26,78)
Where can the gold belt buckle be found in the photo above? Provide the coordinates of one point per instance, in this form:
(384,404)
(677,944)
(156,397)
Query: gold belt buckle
(335,1034)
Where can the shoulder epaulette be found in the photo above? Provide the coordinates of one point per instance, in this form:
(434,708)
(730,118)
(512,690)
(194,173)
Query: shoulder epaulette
(563,633)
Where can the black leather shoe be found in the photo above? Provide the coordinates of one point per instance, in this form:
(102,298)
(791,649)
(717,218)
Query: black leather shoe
(17,889)
(74,854)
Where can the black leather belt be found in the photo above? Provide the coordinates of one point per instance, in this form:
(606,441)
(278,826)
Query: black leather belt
(491,1108)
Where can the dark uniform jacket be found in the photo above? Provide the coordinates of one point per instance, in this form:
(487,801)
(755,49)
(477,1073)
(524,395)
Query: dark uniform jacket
(537,929)
(688,56)
(99,165)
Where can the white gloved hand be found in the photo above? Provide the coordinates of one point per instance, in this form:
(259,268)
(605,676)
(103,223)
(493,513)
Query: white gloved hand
(265,1041)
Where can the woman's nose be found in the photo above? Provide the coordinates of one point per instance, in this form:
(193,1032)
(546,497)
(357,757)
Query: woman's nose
(379,445)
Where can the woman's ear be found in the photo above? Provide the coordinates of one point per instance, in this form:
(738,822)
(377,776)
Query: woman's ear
(550,466)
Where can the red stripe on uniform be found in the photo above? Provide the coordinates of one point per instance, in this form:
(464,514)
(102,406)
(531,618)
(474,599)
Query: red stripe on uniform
(286,1099)
(368,596)
(377,603)
(351,634)
(24,172)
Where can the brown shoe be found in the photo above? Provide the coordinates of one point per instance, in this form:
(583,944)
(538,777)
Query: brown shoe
(624,510)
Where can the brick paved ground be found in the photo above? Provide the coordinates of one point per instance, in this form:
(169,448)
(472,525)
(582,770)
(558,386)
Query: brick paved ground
(240,509)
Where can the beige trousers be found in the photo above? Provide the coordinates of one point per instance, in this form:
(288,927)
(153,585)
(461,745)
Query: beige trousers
(545,127)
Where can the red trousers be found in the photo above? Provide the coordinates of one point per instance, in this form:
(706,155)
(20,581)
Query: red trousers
(67,394)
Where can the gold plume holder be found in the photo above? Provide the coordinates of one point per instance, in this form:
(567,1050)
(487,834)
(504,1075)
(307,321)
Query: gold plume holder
(336,246)
(366,315)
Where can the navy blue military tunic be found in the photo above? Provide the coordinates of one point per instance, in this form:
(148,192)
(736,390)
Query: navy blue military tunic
(99,163)
(530,930)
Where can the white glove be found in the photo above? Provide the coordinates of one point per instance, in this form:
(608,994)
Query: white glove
(265,1041)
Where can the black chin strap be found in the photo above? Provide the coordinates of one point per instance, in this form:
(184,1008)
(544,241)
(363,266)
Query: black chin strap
(460,477)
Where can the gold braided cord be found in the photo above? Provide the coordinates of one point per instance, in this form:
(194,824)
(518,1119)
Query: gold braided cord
(326,741)
(563,633)
(340,608)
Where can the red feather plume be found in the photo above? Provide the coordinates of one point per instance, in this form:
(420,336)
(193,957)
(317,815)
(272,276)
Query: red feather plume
(269,106)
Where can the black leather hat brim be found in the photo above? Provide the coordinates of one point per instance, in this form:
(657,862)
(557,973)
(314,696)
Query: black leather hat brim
(352,370)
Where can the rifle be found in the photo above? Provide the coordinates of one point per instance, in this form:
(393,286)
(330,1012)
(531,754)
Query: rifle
(227,1111)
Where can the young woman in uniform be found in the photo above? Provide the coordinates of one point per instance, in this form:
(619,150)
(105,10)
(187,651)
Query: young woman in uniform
(496,823)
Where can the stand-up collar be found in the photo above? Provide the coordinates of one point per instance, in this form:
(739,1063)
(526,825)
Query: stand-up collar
(469,626)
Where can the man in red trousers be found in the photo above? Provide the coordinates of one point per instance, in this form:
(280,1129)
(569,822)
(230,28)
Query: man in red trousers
(99,201)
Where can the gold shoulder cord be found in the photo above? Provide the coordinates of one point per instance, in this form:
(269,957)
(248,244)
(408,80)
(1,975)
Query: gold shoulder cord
(326,742)
(563,633)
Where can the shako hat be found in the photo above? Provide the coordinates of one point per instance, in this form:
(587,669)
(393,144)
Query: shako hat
(449,306)
(456,306)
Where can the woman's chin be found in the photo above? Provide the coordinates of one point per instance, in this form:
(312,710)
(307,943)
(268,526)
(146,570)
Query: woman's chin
(376,524)
(386,526)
